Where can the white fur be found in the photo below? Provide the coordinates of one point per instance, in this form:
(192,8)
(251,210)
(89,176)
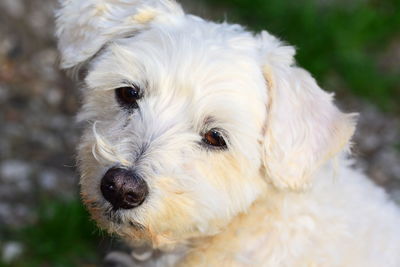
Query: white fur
(282,194)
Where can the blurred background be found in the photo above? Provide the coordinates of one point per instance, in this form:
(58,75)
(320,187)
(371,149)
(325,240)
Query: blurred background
(352,47)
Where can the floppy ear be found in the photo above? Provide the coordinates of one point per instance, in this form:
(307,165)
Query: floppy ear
(303,128)
(85,26)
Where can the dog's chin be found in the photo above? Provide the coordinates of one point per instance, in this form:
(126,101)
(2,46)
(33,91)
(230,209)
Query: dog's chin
(117,223)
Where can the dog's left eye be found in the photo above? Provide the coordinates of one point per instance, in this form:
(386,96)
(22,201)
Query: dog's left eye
(214,138)
(127,96)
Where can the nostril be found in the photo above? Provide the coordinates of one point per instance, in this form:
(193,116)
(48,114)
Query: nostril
(109,190)
(134,198)
(131,197)
(110,186)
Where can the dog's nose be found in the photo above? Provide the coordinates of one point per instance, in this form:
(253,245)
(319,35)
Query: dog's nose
(123,188)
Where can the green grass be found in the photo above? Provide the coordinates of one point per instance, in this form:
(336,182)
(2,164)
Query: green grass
(334,41)
(63,235)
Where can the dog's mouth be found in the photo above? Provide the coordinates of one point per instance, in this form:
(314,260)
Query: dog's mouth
(112,215)
(105,214)
(115,216)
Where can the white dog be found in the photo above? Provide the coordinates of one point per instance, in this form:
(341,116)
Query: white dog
(207,144)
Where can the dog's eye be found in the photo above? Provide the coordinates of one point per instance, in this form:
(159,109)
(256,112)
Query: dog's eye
(127,96)
(214,138)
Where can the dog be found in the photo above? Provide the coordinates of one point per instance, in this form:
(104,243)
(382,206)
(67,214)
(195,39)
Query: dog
(205,145)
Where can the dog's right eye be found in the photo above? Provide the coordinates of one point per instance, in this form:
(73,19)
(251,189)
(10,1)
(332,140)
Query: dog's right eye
(127,96)
(214,138)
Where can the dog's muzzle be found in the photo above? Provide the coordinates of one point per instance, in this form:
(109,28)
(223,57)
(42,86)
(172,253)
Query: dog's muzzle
(123,188)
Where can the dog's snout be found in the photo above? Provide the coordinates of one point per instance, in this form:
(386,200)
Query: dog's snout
(124,189)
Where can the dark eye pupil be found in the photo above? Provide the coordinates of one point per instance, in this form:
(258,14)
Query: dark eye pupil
(214,138)
(130,93)
(127,96)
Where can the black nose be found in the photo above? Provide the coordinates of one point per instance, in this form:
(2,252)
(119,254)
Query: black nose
(123,188)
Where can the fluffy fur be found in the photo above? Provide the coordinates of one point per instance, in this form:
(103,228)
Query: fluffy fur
(283,192)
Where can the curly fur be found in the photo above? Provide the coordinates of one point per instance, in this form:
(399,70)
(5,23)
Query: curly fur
(283,193)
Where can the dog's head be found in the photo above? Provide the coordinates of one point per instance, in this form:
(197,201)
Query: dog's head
(188,121)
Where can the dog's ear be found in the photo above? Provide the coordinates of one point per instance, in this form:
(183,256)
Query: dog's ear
(303,127)
(85,26)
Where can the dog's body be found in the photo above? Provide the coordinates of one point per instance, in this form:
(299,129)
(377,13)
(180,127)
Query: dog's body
(206,143)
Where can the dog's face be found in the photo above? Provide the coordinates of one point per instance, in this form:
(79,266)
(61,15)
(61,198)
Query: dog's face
(179,115)
(187,121)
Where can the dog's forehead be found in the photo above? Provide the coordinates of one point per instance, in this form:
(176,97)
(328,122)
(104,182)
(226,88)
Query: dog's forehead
(215,68)
(199,56)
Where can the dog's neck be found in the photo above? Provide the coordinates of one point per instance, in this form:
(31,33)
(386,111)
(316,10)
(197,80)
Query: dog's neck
(244,242)
(269,218)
